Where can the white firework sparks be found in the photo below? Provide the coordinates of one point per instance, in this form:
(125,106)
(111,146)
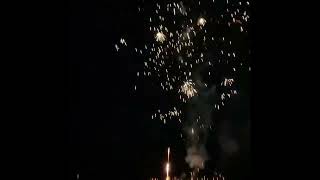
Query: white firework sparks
(117,47)
(188,89)
(122,41)
(190,41)
(160,37)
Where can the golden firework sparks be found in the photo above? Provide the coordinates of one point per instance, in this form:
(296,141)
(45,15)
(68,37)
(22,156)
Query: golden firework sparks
(167,170)
(188,89)
(160,37)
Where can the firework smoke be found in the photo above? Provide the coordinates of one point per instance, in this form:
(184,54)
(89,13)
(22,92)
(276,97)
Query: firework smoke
(228,143)
(229,146)
(199,120)
(196,156)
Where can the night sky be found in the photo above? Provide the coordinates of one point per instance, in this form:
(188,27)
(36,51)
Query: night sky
(110,133)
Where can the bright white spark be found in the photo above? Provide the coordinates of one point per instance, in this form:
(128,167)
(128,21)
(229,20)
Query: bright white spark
(117,48)
(122,41)
(201,22)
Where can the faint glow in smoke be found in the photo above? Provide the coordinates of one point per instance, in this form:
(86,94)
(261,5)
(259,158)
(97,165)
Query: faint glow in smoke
(196,156)
(197,159)
(160,37)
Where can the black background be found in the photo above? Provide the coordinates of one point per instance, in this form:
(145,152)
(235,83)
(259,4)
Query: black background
(41,142)
(109,130)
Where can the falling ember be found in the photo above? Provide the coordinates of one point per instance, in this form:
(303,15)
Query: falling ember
(160,37)
(201,22)
(117,47)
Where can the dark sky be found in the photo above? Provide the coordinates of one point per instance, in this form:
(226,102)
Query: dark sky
(108,124)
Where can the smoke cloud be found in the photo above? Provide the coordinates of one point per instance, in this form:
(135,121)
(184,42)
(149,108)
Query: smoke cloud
(229,146)
(199,120)
(196,156)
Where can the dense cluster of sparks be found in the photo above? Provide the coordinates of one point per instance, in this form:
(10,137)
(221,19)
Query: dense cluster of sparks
(160,37)
(188,89)
(184,42)
(180,46)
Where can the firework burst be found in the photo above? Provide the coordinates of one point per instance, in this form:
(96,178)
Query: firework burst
(160,37)
(188,89)
(186,42)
